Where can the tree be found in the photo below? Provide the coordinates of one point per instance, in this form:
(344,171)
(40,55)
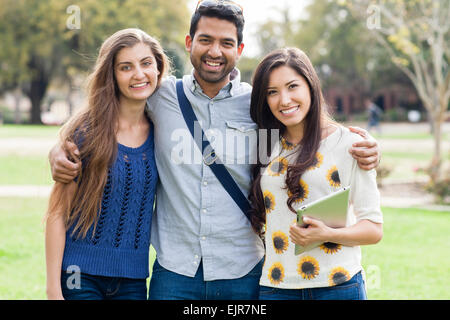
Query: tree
(416,34)
(274,34)
(338,46)
(54,39)
(247,67)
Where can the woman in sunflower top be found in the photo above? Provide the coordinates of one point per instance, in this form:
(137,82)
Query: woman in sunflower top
(99,225)
(309,161)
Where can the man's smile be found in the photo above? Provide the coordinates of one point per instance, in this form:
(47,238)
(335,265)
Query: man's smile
(213,65)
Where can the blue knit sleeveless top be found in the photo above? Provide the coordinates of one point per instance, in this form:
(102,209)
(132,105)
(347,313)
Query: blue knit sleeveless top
(120,245)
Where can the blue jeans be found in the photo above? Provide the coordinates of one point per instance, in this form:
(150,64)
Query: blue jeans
(90,287)
(168,285)
(353,289)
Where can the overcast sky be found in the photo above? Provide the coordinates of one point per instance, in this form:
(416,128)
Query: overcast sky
(257,12)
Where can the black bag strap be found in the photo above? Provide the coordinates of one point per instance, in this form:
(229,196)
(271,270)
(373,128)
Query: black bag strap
(210,158)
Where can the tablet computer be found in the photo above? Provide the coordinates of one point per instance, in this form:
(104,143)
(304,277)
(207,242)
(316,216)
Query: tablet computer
(331,210)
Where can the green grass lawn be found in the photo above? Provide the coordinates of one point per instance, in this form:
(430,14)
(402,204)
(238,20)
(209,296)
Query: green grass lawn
(411,262)
(25,170)
(399,155)
(412,259)
(28,131)
(22,262)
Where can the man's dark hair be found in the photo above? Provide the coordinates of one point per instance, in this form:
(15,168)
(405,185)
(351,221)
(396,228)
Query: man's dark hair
(221,12)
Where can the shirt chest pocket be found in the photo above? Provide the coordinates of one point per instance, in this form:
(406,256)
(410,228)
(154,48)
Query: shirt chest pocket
(240,142)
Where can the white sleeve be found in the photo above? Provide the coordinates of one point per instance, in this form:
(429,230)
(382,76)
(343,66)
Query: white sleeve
(364,194)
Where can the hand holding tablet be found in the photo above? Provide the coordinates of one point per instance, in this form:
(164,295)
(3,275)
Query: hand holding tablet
(331,210)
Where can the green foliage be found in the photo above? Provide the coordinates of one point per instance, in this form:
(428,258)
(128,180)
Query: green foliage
(339,45)
(395,115)
(247,67)
(176,56)
(39,47)
(441,189)
(7,115)
(382,172)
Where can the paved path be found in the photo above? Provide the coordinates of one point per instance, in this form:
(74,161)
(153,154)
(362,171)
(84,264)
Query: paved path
(26,146)
(25,191)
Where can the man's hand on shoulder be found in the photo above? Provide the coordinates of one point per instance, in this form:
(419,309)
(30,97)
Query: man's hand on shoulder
(366,152)
(63,169)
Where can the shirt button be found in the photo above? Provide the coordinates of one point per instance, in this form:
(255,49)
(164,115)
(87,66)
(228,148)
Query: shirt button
(205,183)
(203,238)
(196,256)
(204,210)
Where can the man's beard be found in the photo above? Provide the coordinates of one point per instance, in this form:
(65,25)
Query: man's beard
(211,76)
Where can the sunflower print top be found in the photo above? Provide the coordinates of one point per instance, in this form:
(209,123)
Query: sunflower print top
(330,263)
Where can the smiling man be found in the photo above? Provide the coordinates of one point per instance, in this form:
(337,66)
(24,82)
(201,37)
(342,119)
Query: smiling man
(205,245)
(214,52)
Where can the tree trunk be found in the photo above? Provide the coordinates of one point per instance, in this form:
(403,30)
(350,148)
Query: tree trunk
(69,96)
(36,100)
(435,166)
(17,112)
(37,90)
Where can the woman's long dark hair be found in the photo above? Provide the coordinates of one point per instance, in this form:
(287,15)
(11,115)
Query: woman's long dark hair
(261,115)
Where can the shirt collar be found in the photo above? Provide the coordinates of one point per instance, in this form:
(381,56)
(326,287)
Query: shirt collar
(229,89)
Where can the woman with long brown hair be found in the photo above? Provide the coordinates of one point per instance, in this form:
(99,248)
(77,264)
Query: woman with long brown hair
(99,225)
(309,161)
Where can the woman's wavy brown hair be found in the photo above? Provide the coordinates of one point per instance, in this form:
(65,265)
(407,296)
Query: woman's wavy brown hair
(260,113)
(93,129)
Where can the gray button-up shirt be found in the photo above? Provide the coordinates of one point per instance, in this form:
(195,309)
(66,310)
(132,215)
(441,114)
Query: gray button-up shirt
(196,220)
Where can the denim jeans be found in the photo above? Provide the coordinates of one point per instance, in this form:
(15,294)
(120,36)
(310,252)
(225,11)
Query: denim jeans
(90,287)
(168,285)
(353,289)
